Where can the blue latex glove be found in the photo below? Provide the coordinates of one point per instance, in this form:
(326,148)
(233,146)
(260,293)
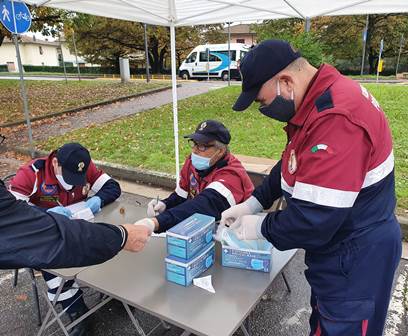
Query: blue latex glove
(61,211)
(94,203)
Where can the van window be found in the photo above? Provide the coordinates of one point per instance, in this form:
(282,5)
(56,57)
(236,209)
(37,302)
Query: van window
(243,53)
(233,54)
(213,58)
(203,57)
(192,58)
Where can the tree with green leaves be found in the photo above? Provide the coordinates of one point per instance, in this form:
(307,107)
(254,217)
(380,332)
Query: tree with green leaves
(339,38)
(102,40)
(342,35)
(292,31)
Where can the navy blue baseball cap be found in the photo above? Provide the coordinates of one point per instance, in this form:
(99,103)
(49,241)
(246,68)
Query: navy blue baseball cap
(210,130)
(74,160)
(259,65)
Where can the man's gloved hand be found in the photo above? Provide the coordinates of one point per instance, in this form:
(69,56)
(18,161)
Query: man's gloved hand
(147,222)
(94,203)
(155,207)
(61,211)
(249,207)
(248,227)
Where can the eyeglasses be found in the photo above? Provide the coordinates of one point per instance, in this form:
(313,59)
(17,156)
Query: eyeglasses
(200,147)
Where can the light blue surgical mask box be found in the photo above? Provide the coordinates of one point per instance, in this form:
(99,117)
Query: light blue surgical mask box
(183,272)
(254,260)
(188,238)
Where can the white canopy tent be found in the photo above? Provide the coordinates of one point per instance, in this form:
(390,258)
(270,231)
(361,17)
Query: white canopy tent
(174,13)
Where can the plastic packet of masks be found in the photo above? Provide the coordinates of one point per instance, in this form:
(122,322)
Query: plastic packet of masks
(246,254)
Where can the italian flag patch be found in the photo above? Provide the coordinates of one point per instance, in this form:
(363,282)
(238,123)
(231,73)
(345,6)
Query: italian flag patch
(324,147)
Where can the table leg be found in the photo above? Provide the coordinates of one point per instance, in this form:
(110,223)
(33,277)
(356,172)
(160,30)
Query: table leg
(134,320)
(165,325)
(50,310)
(244,330)
(57,318)
(286,282)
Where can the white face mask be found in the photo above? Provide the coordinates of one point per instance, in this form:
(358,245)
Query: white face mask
(64,184)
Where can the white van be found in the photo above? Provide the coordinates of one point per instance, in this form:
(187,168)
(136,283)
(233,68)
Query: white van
(197,65)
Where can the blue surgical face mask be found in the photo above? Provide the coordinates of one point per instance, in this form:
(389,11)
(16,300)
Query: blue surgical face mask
(280,108)
(200,162)
(64,184)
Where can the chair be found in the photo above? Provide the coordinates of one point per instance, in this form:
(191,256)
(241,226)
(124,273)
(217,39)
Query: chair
(6,179)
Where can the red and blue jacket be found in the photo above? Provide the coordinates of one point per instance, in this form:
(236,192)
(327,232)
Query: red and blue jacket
(208,192)
(36,183)
(336,172)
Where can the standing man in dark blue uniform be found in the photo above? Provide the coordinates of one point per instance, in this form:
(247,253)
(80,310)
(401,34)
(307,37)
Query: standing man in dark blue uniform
(337,176)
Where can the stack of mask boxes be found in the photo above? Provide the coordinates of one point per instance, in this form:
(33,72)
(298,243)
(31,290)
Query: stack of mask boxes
(190,249)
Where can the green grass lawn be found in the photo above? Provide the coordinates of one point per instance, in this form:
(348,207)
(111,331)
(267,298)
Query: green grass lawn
(53,96)
(146,140)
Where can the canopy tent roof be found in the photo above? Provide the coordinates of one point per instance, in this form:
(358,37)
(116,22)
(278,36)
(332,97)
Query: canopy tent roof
(175,13)
(195,12)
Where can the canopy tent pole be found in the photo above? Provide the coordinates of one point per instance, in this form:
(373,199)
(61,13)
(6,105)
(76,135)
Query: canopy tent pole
(174,94)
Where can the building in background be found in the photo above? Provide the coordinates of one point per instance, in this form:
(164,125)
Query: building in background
(39,52)
(241,33)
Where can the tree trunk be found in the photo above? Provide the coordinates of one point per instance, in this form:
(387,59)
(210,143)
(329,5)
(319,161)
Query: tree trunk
(372,60)
(162,56)
(2,36)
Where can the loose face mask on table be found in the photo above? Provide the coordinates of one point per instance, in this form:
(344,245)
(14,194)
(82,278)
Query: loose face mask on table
(280,108)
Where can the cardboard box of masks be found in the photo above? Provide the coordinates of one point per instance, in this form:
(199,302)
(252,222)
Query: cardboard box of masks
(190,237)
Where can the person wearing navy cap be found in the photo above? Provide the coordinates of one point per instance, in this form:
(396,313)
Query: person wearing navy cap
(211,180)
(337,176)
(64,177)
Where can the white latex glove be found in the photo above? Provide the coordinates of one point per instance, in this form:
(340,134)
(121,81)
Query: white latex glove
(155,207)
(249,207)
(147,222)
(248,227)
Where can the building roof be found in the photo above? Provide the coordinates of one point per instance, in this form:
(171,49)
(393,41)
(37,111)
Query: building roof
(33,40)
(240,29)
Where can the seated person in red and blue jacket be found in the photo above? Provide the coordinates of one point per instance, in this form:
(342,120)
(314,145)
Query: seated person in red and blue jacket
(211,180)
(62,178)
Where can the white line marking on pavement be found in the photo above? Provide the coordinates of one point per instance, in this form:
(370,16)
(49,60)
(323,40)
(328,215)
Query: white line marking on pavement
(396,308)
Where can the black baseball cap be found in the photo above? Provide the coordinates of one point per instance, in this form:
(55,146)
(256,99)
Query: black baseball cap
(74,160)
(210,130)
(259,65)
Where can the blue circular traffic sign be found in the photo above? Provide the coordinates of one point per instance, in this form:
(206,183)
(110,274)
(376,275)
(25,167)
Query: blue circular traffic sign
(15,16)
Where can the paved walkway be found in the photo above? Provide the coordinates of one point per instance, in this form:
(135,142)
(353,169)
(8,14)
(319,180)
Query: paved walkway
(61,125)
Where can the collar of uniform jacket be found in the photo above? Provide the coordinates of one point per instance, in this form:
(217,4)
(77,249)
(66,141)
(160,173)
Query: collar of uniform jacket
(323,79)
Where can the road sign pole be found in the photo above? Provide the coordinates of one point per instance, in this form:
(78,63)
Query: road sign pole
(399,54)
(63,61)
(76,55)
(364,46)
(229,53)
(24,96)
(146,53)
(379,58)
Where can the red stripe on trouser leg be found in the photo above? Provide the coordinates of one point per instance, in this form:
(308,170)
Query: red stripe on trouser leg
(318,331)
(364,327)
